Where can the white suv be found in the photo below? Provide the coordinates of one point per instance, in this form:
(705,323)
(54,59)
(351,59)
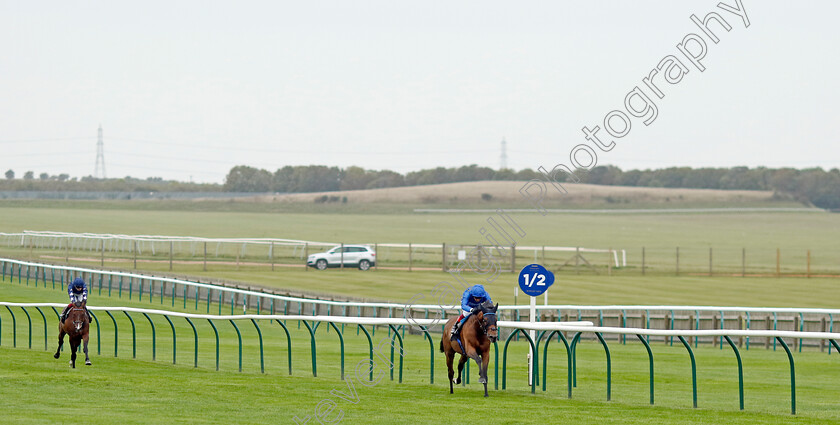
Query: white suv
(360,256)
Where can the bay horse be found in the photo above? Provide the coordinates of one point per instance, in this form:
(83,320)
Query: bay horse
(76,326)
(476,335)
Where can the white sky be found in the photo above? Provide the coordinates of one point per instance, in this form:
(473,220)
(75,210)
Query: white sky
(189,89)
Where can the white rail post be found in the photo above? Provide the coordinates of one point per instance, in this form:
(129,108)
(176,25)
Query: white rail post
(443,250)
(533,334)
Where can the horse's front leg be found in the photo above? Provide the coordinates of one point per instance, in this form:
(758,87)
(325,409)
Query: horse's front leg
(482,368)
(485,361)
(60,342)
(482,377)
(461,362)
(87,359)
(73,347)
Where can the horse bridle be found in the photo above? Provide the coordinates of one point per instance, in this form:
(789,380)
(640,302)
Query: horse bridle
(484,323)
(82,309)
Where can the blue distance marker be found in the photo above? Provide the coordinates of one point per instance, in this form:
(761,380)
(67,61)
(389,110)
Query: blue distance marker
(535,279)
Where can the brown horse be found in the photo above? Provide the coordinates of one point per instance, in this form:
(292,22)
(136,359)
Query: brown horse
(476,335)
(76,326)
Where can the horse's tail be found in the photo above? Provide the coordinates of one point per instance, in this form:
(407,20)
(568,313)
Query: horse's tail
(441,344)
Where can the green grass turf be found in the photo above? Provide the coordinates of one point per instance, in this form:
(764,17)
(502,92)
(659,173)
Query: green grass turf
(139,390)
(133,386)
(400,287)
(817,231)
(660,234)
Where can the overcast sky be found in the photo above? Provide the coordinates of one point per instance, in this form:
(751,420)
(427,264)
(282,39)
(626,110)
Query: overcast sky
(189,89)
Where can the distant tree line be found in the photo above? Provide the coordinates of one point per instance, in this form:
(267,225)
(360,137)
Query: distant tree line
(320,178)
(814,185)
(64,183)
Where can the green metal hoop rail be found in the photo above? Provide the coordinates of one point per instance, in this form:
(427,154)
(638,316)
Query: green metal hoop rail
(396,328)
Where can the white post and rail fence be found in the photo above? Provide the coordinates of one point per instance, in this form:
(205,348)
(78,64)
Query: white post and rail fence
(209,297)
(283,254)
(115,249)
(564,331)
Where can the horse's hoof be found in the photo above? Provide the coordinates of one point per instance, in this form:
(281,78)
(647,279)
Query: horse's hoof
(486,395)
(88,363)
(57,355)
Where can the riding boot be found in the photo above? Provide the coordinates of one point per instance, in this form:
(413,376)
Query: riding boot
(90,319)
(64,314)
(453,334)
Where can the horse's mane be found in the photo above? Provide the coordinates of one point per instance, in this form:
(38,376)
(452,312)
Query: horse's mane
(80,310)
(76,310)
(486,307)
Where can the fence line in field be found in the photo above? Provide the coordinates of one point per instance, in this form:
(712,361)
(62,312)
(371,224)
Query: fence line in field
(7,261)
(394,325)
(139,243)
(668,317)
(265,252)
(623,316)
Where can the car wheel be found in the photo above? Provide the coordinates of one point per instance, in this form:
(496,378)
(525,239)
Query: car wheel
(321,264)
(364,265)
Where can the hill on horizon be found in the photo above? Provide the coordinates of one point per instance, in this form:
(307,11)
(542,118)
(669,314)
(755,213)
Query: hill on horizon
(492,193)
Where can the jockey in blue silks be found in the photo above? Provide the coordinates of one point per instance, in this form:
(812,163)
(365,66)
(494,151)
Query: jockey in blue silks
(78,293)
(472,298)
